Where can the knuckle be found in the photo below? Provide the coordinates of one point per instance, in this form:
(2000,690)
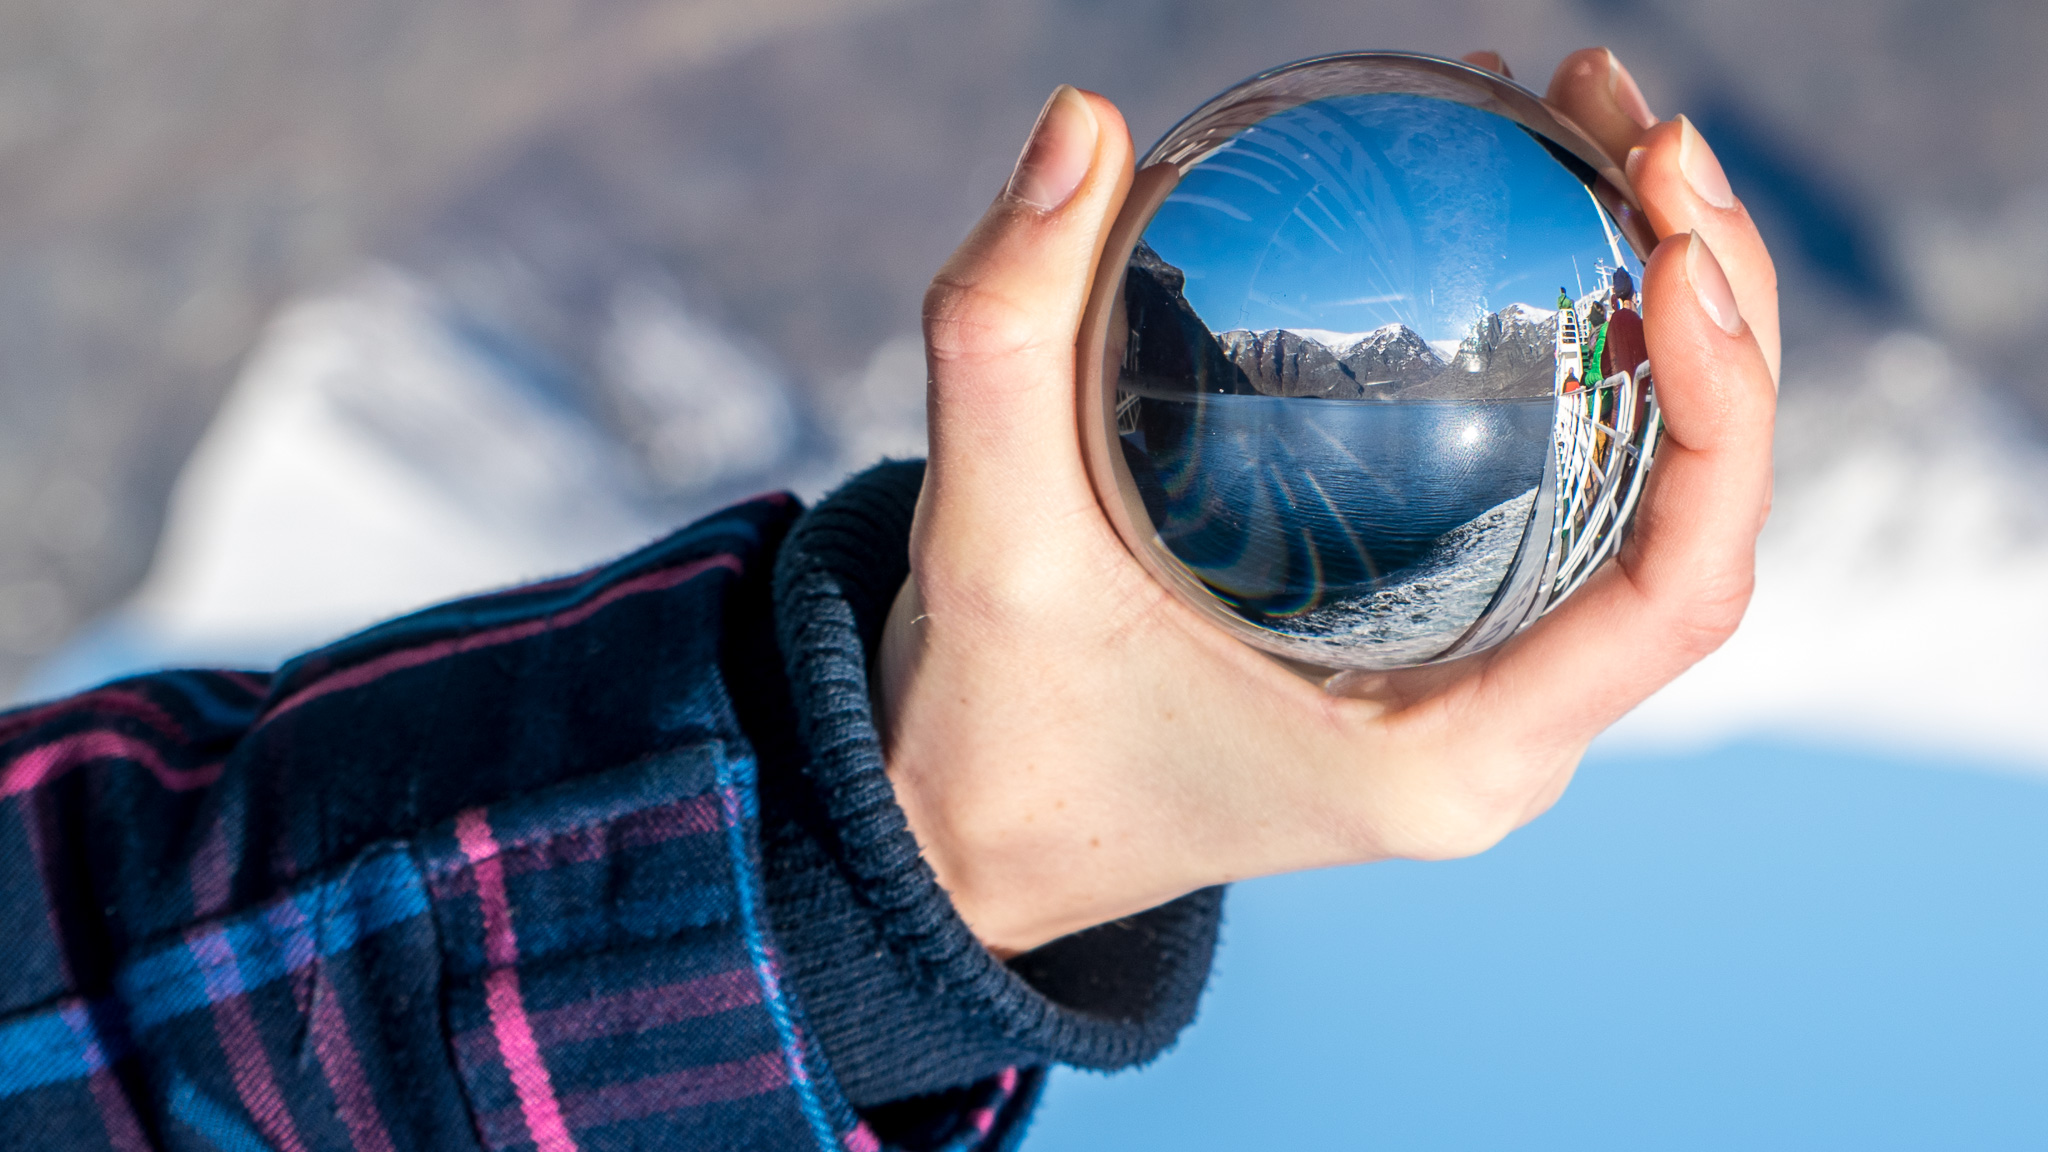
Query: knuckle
(1710,616)
(1457,841)
(999,591)
(967,321)
(1470,795)
(1452,823)
(1464,827)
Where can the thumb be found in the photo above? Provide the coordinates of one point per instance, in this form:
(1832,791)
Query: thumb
(1001,317)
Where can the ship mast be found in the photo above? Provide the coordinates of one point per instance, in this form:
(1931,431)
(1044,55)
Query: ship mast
(1613,240)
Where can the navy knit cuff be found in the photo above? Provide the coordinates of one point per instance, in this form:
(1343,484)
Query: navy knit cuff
(900,995)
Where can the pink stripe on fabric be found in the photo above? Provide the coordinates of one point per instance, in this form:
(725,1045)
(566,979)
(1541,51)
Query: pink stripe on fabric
(117,1116)
(516,1046)
(629,1013)
(674,1091)
(654,1095)
(105,701)
(697,816)
(405,658)
(46,762)
(693,817)
(649,1008)
(254,685)
(861,1139)
(210,870)
(336,1051)
(242,1043)
(984,1118)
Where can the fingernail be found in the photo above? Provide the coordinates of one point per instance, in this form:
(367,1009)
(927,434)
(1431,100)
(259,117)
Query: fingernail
(1627,98)
(1710,285)
(1702,170)
(1059,153)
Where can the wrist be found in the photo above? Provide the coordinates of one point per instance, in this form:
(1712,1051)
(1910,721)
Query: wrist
(912,752)
(894,982)
(1039,804)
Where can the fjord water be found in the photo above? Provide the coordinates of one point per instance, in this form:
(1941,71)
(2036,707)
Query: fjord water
(1283,505)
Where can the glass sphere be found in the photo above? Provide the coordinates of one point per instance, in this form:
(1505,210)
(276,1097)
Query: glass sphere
(1363,376)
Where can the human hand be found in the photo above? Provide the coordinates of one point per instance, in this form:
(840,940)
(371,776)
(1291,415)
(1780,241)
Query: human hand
(1072,744)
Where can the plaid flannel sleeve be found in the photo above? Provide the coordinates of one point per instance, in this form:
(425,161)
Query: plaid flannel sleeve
(540,869)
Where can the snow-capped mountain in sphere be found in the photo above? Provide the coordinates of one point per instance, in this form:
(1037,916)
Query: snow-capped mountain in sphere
(1512,352)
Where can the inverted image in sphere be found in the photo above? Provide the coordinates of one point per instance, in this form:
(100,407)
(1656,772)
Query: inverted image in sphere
(1372,387)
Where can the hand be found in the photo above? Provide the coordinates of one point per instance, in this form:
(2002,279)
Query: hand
(1071,744)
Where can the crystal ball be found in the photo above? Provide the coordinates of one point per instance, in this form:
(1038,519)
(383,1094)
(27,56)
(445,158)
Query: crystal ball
(1363,376)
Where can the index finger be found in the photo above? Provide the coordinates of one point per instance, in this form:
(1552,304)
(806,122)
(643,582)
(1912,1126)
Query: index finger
(1592,88)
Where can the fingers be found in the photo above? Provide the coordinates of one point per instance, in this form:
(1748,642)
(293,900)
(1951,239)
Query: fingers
(1001,316)
(1686,571)
(1489,60)
(1675,176)
(1697,528)
(1597,93)
(1683,189)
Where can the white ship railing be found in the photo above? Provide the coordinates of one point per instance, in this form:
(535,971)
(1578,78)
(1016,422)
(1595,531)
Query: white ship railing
(1599,469)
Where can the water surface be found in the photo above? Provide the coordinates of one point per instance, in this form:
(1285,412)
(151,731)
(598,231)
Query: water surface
(1283,505)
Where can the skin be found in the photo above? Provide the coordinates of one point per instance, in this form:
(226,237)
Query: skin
(1070,744)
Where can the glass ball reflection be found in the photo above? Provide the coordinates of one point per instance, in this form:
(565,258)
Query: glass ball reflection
(1364,378)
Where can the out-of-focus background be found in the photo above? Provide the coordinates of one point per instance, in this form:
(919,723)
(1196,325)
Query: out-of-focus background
(315,311)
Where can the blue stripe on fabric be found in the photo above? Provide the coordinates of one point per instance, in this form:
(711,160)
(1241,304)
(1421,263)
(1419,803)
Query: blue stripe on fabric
(274,941)
(736,784)
(215,1124)
(50,1048)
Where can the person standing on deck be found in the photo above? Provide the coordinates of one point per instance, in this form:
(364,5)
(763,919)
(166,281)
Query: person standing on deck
(1622,348)
(1570,380)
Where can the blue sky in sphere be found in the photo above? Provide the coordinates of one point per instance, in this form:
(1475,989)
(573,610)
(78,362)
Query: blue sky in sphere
(1354,212)
(1765,947)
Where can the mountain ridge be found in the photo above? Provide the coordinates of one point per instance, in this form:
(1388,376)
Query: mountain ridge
(1508,354)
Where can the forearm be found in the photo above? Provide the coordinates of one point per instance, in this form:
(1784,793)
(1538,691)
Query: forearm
(520,832)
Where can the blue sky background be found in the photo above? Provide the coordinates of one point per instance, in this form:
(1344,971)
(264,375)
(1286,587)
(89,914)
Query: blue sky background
(1359,211)
(1761,947)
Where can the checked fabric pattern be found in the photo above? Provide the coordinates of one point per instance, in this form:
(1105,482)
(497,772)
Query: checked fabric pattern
(485,877)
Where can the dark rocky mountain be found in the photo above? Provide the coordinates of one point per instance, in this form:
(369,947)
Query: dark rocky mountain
(1170,348)
(1283,363)
(1512,353)
(1395,355)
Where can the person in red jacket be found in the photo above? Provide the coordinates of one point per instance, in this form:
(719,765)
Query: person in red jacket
(1623,350)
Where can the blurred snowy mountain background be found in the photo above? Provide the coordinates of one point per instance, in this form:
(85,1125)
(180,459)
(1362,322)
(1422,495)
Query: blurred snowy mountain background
(474,293)
(314,312)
